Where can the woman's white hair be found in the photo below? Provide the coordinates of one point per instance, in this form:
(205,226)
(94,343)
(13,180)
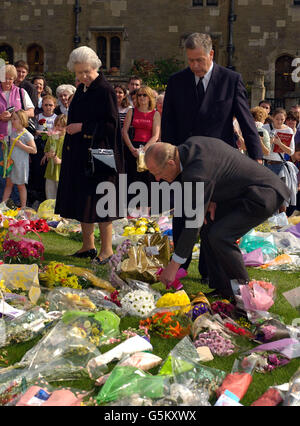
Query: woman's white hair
(65,88)
(84,55)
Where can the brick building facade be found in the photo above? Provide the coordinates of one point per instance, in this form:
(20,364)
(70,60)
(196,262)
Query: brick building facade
(265,34)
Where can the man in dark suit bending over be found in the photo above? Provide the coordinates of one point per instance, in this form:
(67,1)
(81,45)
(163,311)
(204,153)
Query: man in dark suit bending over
(202,100)
(239,194)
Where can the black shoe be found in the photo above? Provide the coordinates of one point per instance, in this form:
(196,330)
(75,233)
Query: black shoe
(214,293)
(98,261)
(84,254)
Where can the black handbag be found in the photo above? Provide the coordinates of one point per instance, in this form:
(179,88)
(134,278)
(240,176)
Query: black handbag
(100,161)
(131,130)
(31,123)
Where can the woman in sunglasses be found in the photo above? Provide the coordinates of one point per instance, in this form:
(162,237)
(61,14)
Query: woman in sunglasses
(145,120)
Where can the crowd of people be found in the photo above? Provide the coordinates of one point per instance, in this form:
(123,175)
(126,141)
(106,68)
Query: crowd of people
(53,137)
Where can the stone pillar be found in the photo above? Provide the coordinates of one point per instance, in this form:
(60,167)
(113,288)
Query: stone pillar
(258,90)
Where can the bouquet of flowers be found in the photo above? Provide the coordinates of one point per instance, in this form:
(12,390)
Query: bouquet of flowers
(27,326)
(57,274)
(217,343)
(141,226)
(22,251)
(258,295)
(223,308)
(171,300)
(264,362)
(167,325)
(138,303)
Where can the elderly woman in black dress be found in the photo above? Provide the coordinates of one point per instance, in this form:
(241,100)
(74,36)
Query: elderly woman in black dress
(92,120)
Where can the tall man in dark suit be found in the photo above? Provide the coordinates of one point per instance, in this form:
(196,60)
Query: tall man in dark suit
(202,100)
(245,192)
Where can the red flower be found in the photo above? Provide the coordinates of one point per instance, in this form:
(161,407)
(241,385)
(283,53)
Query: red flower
(42,121)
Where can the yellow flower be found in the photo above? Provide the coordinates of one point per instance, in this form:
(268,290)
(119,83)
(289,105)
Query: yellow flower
(175,299)
(6,223)
(141,230)
(4,288)
(141,222)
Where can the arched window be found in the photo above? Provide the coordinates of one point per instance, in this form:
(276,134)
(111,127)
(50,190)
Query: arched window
(35,58)
(7,53)
(102,50)
(115,52)
(283,76)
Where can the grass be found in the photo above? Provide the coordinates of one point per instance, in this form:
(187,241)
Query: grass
(58,248)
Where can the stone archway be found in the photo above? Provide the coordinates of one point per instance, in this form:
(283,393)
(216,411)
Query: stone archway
(35,58)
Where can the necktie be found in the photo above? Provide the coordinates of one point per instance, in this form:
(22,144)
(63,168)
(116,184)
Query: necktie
(200,91)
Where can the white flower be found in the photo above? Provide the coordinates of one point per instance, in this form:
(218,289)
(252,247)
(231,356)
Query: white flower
(139,302)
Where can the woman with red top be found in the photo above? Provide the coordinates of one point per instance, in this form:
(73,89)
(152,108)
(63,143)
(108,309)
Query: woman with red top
(146,123)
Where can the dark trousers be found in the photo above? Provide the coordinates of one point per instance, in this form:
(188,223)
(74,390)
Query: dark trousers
(177,226)
(219,250)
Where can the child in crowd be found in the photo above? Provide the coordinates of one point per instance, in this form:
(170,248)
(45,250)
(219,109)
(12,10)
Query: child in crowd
(53,154)
(22,144)
(46,118)
(45,122)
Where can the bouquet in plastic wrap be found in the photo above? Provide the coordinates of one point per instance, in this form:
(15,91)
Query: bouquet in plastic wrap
(210,331)
(69,346)
(143,260)
(91,299)
(27,326)
(142,360)
(187,393)
(240,378)
(22,278)
(64,299)
(253,295)
(57,274)
(126,381)
(18,301)
(61,355)
(254,240)
(183,365)
(270,330)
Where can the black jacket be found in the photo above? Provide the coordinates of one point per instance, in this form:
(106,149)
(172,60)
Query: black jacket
(225,98)
(229,177)
(97,110)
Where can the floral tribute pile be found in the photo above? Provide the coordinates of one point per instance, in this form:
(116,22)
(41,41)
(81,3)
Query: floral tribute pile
(76,312)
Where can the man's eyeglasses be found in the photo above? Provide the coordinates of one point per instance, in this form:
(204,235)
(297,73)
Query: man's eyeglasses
(142,94)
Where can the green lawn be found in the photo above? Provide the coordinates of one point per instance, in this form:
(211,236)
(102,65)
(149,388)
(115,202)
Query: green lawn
(58,247)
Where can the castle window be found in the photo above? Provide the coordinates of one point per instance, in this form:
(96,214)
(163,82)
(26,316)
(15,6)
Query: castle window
(109,50)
